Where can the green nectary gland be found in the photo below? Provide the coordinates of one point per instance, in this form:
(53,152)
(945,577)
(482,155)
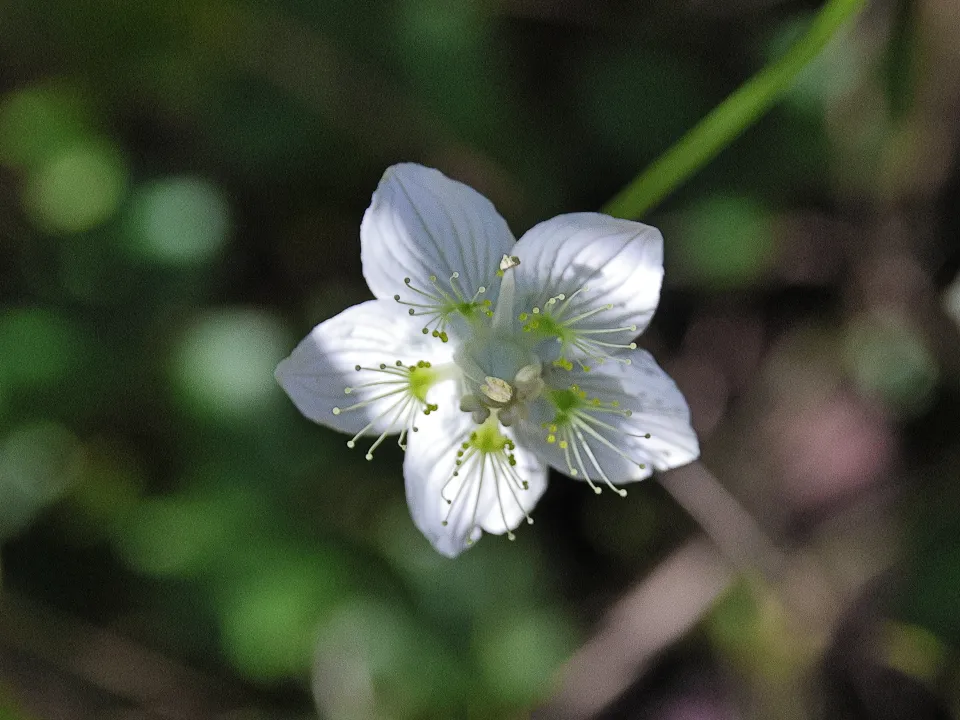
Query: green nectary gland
(565,400)
(472,310)
(422,378)
(488,439)
(544,324)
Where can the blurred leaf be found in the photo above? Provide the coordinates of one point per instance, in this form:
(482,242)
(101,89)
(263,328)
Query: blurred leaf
(41,347)
(373,661)
(722,242)
(182,535)
(519,652)
(749,626)
(271,612)
(108,490)
(914,651)
(446,49)
(932,584)
(9,708)
(901,60)
(41,121)
(494,576)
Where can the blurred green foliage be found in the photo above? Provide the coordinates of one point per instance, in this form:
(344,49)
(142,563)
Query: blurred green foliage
(181,185)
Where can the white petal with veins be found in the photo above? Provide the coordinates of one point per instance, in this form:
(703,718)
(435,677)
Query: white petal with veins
(421,224)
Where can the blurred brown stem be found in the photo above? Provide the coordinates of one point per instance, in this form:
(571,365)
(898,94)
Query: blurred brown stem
(734,531)
(653,615)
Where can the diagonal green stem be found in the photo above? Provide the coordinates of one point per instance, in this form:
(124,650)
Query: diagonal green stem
(734,115)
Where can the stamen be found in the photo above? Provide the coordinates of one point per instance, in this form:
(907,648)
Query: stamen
(507,467)
(405,390)
(577,431)
(439,304)
(487,456)
(576,343)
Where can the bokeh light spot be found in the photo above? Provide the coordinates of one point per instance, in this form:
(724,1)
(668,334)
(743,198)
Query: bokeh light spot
(951,300)
(226,360)
(889,359)
(180,221)
(37,463)
(76,189)
(913,650)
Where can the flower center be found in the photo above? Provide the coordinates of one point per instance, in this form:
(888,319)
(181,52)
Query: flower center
(508,402)
(557,319)
(437,305)
(579,430)
(401,390)
(487,456)
(502,374)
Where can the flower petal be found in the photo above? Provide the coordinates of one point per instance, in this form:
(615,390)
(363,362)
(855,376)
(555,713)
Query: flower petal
(610,261)
(484,496)
(317,372)
(656,408)
(420,224)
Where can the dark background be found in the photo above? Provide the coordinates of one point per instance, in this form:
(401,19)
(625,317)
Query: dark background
(181,187)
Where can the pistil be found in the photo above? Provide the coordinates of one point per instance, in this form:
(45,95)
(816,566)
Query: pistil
(503,313)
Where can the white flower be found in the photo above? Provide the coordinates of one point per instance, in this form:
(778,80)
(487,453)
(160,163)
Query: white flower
(494,358)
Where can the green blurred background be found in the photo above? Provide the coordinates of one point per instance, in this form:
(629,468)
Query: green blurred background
(181,186)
